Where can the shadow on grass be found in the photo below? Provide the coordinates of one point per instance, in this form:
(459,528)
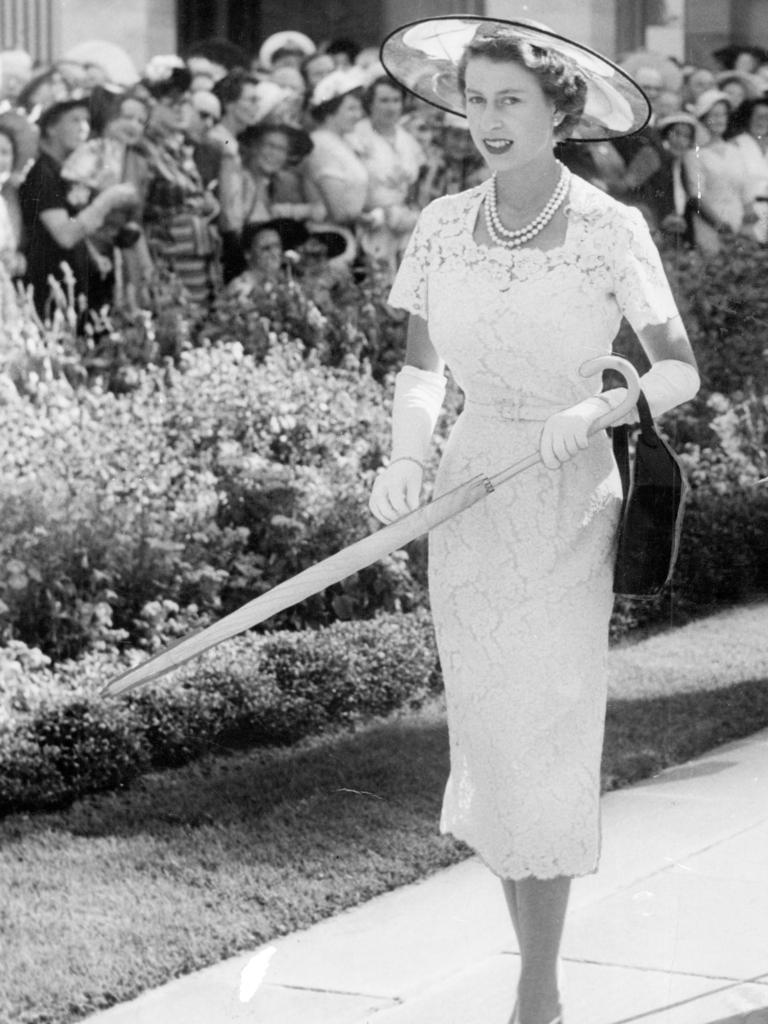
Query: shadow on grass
(397,762)
(401,762)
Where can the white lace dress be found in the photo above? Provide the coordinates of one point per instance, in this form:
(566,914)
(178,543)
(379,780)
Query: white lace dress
(521,584)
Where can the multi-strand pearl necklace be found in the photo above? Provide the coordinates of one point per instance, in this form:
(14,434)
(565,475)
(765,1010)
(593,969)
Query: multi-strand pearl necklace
(503,236)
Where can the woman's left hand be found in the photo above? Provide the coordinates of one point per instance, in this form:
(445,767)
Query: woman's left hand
(567,433)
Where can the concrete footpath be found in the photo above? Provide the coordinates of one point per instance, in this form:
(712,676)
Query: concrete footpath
(672,930)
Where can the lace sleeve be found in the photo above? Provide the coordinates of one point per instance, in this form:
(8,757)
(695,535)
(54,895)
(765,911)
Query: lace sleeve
(409,290)
(640,283)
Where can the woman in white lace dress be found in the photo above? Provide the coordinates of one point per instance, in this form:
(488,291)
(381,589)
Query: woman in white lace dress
(514,284)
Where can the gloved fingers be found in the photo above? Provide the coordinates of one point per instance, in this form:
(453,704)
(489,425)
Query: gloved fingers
(561,441)
(395,493)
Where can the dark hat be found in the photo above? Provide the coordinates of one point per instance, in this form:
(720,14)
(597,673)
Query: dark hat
(425,57)
(337,240)
(51,114)
(299,140)
(164,76)
(293,233)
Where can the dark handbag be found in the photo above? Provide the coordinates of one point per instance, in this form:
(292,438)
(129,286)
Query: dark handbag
(654,489)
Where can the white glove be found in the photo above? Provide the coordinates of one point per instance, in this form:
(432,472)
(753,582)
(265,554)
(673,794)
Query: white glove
(418,399)
(566,433)
(667,384)
(397,490)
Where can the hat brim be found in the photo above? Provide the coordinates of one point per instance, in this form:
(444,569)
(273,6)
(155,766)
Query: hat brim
(337,240)
(293,233)
(424,57)
(299,141)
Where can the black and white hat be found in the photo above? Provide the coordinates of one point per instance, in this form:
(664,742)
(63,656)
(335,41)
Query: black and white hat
(424,57)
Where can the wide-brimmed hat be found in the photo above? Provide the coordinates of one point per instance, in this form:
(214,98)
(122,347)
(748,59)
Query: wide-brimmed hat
(424,57)
(287,40)
(338,83)
(299,141)
(114,61)
(293,233)
(753,87)
(708,99)
(676,117)
(338,241)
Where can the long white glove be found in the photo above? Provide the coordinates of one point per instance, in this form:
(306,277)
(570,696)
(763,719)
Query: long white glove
(668,383)
(418,399)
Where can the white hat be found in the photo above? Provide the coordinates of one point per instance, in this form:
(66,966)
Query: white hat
(678,117)
(753,87)
(288,40)
(270,96)
(425,57)
(708,99)
(338,83)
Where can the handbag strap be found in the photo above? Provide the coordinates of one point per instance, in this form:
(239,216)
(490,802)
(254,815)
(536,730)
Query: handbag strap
(647,427)
(620,439)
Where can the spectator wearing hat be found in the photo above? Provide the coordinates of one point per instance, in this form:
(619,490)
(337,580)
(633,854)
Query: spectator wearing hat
(60,217)
(179,211)
(324,271)
(749,125)
(344,52)
(716,177)
(265,245)
(663,195)
(270,188)
(738,86)
(334,173)
(287,48)
(215,57)
(393,160)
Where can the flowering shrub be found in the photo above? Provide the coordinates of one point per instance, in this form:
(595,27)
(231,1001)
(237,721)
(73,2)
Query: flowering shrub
(203,486)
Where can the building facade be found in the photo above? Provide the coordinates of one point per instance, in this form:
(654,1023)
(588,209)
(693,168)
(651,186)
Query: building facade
(690,30)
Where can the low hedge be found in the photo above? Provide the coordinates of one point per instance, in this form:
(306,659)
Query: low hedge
(274,691)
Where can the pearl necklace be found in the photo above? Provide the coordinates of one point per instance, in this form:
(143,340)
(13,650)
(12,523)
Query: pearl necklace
(503,236)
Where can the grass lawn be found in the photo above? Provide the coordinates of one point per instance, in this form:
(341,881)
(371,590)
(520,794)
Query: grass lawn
(124,891)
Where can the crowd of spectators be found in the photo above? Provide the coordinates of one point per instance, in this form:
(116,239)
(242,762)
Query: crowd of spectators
(230,171)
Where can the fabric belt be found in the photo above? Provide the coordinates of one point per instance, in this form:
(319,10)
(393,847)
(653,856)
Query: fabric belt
(516,409)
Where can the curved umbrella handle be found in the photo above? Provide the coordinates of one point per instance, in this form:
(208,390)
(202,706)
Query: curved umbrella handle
(628,372)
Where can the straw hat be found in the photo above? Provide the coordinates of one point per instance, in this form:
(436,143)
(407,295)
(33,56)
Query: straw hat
(424,57)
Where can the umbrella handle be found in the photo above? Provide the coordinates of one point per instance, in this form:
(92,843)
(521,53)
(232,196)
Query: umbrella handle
(628,372)
(588,369)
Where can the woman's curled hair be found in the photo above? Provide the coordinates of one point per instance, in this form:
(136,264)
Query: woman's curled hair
(560,81)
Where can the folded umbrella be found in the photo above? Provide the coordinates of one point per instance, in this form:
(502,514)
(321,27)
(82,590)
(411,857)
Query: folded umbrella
(360,554)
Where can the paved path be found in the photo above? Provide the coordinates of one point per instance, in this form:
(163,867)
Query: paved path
(672,930)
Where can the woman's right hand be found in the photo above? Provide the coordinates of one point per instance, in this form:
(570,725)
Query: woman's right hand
(397,490)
